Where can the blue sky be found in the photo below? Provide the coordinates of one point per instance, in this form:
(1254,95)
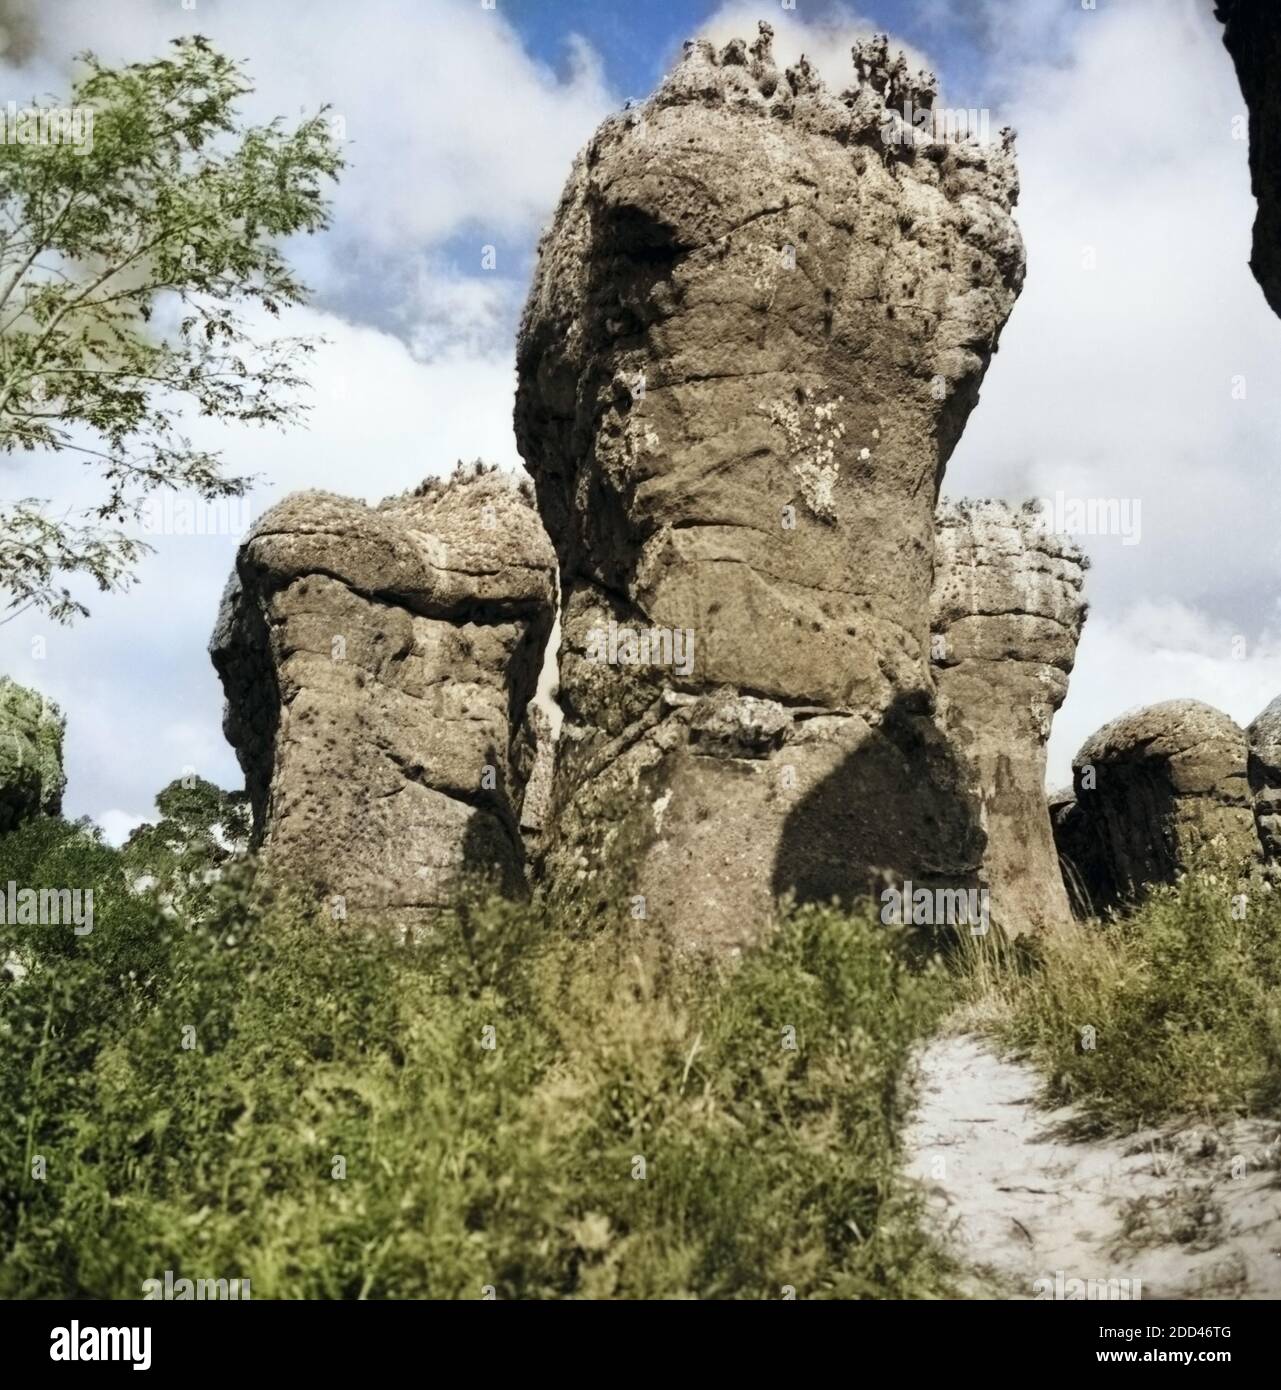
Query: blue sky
(1114,379)
(638,42)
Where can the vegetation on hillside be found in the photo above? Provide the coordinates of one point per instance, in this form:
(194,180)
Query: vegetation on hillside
(256,1095)
(225,1086)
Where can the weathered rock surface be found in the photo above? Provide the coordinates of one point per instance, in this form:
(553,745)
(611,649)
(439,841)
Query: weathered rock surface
(1157,791)
(1252,35)
(712,808)
(1007,615)
(755,333)
(31,776)
(377,664)
(1264,774)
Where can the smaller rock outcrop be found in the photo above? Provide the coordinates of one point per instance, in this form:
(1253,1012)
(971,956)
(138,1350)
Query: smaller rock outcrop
(378,663)
(1157,791)
(1007,611)
(31,776)
(1264,773)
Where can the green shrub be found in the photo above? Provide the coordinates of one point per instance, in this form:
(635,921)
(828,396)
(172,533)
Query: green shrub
(198,1091)
(1184,998)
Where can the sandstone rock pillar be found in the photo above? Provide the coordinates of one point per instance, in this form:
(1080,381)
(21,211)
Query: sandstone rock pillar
(377,664)
(1007,614)
(758,324)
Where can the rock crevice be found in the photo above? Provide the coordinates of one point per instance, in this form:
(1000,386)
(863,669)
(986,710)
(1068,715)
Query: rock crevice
(1263,773)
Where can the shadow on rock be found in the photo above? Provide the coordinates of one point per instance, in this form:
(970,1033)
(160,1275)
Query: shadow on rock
(899,806)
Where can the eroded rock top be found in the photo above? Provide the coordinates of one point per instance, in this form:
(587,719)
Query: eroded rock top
(460,548)
(1006,587)
(1205,749)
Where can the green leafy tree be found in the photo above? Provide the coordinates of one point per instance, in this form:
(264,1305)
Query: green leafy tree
(128,257)
(201,828)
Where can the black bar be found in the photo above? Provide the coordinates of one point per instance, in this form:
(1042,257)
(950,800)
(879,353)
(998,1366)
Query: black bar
(1009,1339)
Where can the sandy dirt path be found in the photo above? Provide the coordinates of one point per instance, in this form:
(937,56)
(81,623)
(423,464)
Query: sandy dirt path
(1190,1212)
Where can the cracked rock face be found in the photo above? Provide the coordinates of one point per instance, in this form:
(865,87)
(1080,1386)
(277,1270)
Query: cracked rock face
(31,776)
(377,664)
(535,762)
(1252,35)
(1264,772)
(1007,613)
(1156,791)
(1074,845)
(756,330)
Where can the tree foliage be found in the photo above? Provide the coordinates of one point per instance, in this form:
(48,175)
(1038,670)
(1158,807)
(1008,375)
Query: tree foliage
(201,828)
(129,264)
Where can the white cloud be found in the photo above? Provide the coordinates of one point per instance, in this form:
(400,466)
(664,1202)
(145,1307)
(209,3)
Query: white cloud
(449,122)
(1160,651)
(451,315)
(118,825)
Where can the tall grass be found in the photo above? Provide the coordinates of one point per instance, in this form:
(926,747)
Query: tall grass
(1173,1009)
(502,1107)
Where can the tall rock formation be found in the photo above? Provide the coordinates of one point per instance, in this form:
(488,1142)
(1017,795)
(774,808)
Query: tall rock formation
(1157,791)
(1264,774)
(1007,615)
(31,775)
(758,324)
(377,664)
(1252,35)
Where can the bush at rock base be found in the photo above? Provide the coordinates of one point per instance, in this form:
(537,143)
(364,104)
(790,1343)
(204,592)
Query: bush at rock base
(337,1124)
